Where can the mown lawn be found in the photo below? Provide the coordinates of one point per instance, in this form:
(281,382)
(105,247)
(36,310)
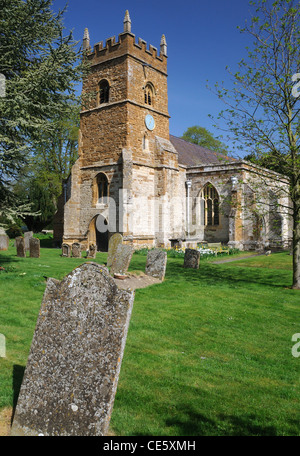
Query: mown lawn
(208,351)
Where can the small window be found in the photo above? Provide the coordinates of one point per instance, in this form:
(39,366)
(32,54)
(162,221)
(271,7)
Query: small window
(145,142)
(148,94)
(210,197)
(102,187)
(103,92)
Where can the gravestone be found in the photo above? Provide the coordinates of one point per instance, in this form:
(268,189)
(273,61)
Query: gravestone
(75,358)
(156,263)
(27,236)
(34,248)
(92,251)
(66,250)
(191,259)
(115,240)
(20,245)
(4,242)
(76,250)
(121,260)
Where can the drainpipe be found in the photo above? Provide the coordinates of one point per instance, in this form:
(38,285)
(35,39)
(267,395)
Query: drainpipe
(188,184)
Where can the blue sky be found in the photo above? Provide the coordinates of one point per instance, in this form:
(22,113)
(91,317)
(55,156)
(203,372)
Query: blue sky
(202,39)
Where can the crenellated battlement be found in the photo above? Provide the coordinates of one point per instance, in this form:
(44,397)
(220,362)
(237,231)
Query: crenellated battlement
(126,45)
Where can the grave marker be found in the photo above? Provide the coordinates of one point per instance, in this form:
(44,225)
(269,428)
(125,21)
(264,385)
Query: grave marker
(191,259)
(121,260)
(20,245)
(156,263)
(76,250)
(73,367)
(115,240)
(34,248)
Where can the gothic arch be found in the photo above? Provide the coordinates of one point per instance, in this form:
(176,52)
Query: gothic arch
(210,205)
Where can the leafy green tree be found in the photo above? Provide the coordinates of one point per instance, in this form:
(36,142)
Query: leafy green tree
(262,113)
(51,164)
(41,67)
(202,137)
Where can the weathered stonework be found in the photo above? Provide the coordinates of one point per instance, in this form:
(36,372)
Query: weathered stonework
(20,245)
(121,260)
(115,240)
(34,247)
(156,263)
(4,242)
(74,363)
(154,180)
(191,259)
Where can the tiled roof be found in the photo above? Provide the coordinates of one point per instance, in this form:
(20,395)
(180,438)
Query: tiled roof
(192,155)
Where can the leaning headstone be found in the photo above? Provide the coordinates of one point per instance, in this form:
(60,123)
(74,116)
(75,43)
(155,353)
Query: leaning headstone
(34,248)
(76,250)
(121,260)
(115,240)
(66,250)
(75,358)
(27,236)
(4,242)
(156,263)
(191,259)
(92,251)
(20,245)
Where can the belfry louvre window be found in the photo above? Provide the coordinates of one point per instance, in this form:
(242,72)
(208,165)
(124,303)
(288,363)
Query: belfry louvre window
(102,186)
(210,199)
(103,92)
(149,95)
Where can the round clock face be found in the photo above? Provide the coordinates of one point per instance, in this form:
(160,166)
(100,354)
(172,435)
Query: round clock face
(149,121)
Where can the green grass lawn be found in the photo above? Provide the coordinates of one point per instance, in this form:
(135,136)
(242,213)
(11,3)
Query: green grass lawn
(208,351)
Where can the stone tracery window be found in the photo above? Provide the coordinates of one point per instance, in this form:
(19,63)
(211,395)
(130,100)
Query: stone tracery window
(210,199)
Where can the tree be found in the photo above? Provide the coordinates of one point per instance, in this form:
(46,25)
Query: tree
(41,67)
(51,164)
(202,137)
(262,113)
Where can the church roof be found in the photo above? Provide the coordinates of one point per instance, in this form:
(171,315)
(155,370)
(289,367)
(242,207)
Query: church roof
(190,154)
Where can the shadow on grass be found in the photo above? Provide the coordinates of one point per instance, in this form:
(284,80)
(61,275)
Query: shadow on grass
(224,274)
(18,374)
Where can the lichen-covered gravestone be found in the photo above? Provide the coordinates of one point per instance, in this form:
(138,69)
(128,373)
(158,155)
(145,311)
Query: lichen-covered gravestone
(20,245)
(4,242)
(121,260)
(73,367)
(115,240)
(76,250)
(92,251)
(27,236)
(34,248)
(191,259)
(66,250)
(156,263)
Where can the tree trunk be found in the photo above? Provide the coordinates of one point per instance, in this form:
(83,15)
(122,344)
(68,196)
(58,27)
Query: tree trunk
(296,248)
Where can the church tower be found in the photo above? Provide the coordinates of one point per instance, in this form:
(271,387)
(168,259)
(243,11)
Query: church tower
(127,167)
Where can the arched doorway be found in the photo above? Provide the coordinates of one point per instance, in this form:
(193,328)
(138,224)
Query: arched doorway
(101,233)
(98,233)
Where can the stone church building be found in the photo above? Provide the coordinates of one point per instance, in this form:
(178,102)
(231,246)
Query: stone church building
(134,178)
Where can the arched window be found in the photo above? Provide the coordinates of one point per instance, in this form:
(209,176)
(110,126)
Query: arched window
(210,198)
(102,188)
(103,91)
(149,94)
